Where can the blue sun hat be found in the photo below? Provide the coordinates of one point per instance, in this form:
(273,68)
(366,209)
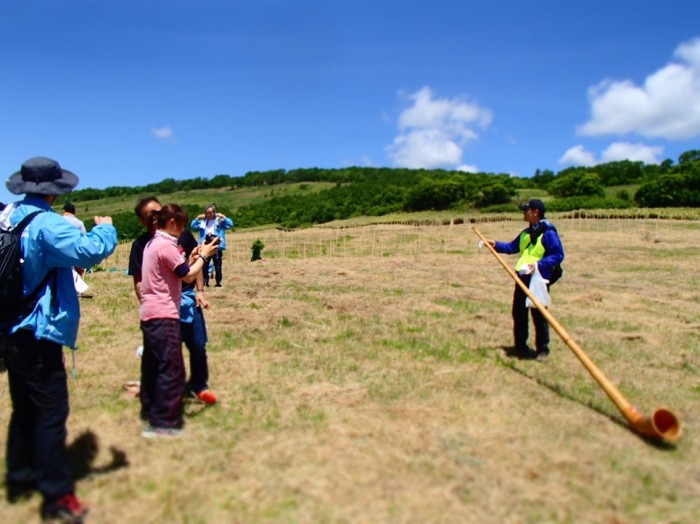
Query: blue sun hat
(42,176)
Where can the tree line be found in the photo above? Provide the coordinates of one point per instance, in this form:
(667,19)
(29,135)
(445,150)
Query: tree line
(360,191)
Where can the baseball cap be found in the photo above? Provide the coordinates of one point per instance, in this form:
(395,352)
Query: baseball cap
(533,204)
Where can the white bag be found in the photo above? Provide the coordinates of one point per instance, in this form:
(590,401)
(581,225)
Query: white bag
(538,287)
(80,285)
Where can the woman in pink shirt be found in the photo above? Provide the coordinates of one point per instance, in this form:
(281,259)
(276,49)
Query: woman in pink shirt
(162,365)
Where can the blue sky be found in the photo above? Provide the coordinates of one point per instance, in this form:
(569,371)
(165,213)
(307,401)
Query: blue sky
(130,92)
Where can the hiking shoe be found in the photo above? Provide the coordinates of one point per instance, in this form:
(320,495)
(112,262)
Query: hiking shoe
(155,432)
(522,353)
(541,356)
(207,396)
(68,510)
(18,491)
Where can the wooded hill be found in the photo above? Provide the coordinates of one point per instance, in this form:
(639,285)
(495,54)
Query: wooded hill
(301,197)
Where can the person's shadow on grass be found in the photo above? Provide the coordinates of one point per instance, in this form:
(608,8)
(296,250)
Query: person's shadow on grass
(83,451)
(589,403)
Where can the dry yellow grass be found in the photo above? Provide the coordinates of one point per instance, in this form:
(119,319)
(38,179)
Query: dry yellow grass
(362,378)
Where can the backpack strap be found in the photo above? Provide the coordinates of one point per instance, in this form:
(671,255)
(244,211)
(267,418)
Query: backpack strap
(30,298)
(25,221)
(18,229)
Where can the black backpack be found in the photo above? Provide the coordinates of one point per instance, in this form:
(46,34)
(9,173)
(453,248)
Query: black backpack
(557,272)
(13,304)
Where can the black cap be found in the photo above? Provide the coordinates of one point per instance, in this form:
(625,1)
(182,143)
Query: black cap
(533,204)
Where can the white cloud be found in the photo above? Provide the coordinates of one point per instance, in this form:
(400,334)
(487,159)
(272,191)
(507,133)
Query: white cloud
(365,160)
(425,148)
(578,156)
(442,114)
(163,133)
(636,152)
(468,168)
(666,106)
(433,132)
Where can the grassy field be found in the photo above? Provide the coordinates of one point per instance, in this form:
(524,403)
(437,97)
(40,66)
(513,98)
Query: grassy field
(362,378)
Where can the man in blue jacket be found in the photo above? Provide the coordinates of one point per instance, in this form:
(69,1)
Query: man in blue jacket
(36,444)
(212,224)
(539,246)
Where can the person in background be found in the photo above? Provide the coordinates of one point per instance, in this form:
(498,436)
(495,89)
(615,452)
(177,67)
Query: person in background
(212,225)
(193,328)
(192,324)
(69,215)
(538,245)
(37,458)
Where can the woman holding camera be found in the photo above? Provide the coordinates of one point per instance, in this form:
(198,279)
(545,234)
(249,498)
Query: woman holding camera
(210,225)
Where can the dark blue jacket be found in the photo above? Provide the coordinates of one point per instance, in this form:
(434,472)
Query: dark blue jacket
(553,250)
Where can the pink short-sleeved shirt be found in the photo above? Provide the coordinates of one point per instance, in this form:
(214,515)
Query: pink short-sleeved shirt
(161,286)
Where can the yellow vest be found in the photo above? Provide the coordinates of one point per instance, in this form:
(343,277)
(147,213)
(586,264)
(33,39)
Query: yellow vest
(529,253)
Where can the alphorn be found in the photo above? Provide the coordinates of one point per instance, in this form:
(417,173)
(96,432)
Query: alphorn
(663,423)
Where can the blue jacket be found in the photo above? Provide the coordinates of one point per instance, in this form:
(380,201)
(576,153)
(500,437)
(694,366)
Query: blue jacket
(49,241)
(222,224)
(553,250)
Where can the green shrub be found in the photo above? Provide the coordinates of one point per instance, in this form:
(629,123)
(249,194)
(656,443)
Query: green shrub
(573,203)
(495,194)
(577,184)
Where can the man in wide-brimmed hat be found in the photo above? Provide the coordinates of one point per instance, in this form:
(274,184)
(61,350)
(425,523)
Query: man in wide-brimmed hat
(36,444)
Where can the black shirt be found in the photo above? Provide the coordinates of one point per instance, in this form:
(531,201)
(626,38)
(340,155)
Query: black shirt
(186,240)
